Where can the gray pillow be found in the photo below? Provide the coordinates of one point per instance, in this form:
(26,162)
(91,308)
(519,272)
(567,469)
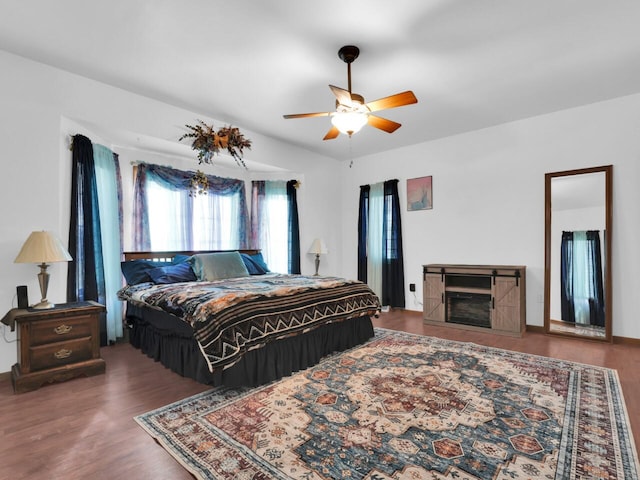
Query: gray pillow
(218,266)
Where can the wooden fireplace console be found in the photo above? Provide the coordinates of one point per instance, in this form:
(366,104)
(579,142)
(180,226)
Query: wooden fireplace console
(478,297)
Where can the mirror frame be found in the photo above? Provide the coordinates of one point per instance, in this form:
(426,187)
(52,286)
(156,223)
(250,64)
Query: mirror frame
(608,171)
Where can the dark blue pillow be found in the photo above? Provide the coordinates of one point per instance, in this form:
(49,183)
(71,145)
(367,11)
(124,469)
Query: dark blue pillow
(137,271)
(258,259)
(181,272)
(255,264)
(180,259)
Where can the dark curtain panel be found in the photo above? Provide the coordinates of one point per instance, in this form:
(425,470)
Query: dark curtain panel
(85,277)
(294,228)
(363,222)
(566,277)
(595,261)
(392,258)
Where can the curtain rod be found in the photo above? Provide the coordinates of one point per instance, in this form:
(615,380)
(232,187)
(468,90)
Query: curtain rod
(391,180)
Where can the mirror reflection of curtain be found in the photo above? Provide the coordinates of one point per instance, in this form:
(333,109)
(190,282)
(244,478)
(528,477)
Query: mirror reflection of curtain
(582,293)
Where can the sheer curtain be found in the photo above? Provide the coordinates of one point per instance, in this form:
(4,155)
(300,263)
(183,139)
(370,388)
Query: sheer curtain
(274,234)
(216,210)
(175,206)
(374,239)
(110,208)
(581,275)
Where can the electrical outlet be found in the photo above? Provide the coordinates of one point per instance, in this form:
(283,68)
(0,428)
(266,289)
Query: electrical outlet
(412,287)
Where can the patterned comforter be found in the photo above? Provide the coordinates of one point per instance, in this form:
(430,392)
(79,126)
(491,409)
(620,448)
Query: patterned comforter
(234,315)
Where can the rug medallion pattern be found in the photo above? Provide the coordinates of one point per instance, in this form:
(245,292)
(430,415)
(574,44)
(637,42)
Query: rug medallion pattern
(405,406)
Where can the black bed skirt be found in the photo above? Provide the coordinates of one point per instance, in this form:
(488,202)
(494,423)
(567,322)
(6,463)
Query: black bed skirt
(170,341)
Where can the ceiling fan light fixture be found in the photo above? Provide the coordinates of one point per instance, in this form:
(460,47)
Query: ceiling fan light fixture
(349,122)
(352,113)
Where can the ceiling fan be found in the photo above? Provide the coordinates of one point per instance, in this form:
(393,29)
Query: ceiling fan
(352,113)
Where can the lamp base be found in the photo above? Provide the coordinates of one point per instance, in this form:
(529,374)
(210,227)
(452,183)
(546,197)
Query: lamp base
(317,264)
(43,305)
(43,280)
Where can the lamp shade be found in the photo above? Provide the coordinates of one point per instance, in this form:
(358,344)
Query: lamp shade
(349,122)
(42,247)
(318,247)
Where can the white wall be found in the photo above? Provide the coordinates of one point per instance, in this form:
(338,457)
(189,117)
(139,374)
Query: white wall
(488,197)
(41,106)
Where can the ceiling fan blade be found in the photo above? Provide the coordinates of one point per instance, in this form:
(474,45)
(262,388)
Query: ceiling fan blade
(393,101)
(388,126)
(331,134)
(343,96)
(307,115)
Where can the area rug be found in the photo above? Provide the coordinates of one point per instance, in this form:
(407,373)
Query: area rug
(405,406)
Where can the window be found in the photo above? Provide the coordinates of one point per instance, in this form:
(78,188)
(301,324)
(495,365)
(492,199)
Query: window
(168,217)
(220,211)
(380,259)
(274,224)
(180,222)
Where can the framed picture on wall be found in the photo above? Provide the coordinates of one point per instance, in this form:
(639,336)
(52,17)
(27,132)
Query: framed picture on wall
(419,193)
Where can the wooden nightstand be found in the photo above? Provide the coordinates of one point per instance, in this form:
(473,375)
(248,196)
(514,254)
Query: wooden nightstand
(57,344)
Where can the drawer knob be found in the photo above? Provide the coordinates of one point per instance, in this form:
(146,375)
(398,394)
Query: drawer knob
(62,329)
(63,353)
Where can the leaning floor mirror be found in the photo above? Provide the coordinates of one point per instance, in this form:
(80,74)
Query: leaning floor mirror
(578,211)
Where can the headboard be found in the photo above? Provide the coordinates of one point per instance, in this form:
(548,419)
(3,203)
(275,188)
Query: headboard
(168,255)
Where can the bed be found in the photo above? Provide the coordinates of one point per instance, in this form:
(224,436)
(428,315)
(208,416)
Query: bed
(199,317)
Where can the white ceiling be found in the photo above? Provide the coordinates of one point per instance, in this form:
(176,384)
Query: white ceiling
(471,63)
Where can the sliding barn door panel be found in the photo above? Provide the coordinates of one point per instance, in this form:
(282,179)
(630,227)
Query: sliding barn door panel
(433,297)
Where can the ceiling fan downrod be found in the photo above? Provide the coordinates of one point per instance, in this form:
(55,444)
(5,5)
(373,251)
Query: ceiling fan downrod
(348,54)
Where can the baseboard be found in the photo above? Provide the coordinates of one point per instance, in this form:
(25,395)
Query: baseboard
(5,376)
(627,340)
(620,340)
(535,329)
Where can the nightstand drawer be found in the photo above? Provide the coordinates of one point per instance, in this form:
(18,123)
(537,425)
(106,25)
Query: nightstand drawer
(61,353)
(61,329)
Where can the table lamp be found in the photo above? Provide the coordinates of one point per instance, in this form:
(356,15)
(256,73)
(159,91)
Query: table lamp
(318,247)
(43,248)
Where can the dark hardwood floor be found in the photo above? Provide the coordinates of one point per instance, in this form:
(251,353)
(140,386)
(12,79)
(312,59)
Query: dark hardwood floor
(84,428)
